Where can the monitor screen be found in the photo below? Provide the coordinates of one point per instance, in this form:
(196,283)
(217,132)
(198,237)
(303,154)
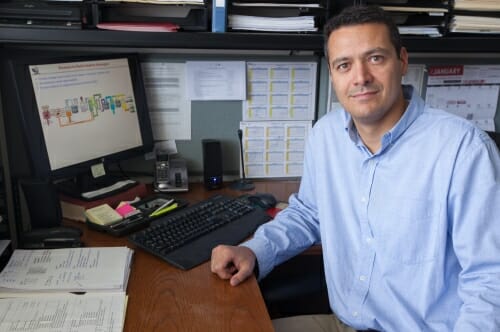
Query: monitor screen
(87,109)
(77,112)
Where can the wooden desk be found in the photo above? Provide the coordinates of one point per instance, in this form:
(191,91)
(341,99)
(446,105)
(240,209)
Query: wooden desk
(164,298)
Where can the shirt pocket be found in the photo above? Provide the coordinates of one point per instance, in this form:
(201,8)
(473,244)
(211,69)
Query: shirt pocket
(406,229)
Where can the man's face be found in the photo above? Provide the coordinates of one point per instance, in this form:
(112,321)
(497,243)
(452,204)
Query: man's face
(366,73)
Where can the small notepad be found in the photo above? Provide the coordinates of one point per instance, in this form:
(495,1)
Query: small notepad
(103,215)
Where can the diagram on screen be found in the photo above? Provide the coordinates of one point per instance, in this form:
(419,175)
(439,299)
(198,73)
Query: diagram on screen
(83,109)
(79,92)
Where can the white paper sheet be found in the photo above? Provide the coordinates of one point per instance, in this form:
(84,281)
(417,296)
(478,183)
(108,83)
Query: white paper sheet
(216,80)
(169,108)
(68,270)
(66,312)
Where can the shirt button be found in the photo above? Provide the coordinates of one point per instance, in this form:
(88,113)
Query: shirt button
(355,314)
(368,240)
(362,278)
(363,199)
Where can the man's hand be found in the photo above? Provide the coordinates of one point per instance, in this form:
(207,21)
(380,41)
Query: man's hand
(233,263)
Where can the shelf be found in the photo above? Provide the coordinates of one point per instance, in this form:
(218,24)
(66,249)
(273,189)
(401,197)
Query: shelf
(229,40)
(189,40)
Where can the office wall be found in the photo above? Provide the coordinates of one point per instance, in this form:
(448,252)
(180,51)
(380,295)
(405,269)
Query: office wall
(220,119)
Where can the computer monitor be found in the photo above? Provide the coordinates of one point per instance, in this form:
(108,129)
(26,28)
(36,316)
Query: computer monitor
(79,114)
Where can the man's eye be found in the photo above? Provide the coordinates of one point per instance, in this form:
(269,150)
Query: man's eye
(376,58)
(342,67)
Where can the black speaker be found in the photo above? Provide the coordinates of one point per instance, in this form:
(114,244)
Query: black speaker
(212,163)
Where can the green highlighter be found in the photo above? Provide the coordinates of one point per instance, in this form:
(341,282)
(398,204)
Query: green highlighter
(164,209)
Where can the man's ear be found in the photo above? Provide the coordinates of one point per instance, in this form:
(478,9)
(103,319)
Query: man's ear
(403,57)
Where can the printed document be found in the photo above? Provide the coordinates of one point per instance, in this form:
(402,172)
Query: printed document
(280,91)
(61,313)
(169,109)
(66,270)
(274,148)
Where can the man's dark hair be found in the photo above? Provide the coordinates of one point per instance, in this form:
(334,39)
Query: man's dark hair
(361,14)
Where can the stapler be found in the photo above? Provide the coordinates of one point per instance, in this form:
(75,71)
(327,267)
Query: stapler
(52,238)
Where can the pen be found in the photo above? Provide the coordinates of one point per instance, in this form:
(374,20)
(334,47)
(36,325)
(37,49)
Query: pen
(164,205)
(162,211)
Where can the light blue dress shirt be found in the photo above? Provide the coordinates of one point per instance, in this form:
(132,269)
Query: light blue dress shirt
(410,234)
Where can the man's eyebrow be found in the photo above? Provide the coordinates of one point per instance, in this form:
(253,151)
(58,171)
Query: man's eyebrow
(377,50)
(369,52)
(339,60)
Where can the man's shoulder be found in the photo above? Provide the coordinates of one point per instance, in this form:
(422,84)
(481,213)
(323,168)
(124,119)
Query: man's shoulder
(446,127)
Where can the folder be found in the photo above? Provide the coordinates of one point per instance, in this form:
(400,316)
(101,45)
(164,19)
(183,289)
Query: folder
(219,15)
(187,17)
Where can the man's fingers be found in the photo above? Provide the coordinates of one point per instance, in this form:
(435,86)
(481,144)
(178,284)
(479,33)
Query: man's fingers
(234,263)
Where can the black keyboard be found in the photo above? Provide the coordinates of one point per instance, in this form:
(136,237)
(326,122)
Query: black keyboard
(185,239)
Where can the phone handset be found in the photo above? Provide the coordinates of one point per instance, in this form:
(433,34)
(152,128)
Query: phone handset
(162,173)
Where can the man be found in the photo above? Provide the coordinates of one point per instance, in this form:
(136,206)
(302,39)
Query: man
(404,198)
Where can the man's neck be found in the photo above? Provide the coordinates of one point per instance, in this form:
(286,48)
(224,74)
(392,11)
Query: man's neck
(371,133)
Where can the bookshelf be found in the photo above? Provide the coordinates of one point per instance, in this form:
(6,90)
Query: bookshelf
(230,40)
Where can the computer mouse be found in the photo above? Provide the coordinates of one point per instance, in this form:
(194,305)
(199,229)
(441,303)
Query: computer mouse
(263,200)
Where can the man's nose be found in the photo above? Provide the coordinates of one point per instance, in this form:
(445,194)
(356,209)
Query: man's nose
(362,74)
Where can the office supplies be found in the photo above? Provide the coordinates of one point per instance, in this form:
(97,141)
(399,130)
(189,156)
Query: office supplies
(152,203)
(52,238)
(125,209)
(103,215)
(145,211)
(185,238)
(219,16)
(74,208)
(164,210)
(161,207)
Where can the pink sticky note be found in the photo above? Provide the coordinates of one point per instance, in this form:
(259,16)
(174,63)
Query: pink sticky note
(125,209)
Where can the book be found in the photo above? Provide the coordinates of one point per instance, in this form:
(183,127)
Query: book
(37,286)
(74,208)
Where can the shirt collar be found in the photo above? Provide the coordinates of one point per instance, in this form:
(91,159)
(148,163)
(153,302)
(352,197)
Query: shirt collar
(413,111)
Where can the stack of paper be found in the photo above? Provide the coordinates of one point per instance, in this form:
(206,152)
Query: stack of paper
(277,16)
(423,17)
(476,16)
(66,270)
(98,275)
(278,24)
(477,5)
(475,24)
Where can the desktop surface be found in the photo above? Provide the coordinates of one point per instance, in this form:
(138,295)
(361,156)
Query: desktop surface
(165,298)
